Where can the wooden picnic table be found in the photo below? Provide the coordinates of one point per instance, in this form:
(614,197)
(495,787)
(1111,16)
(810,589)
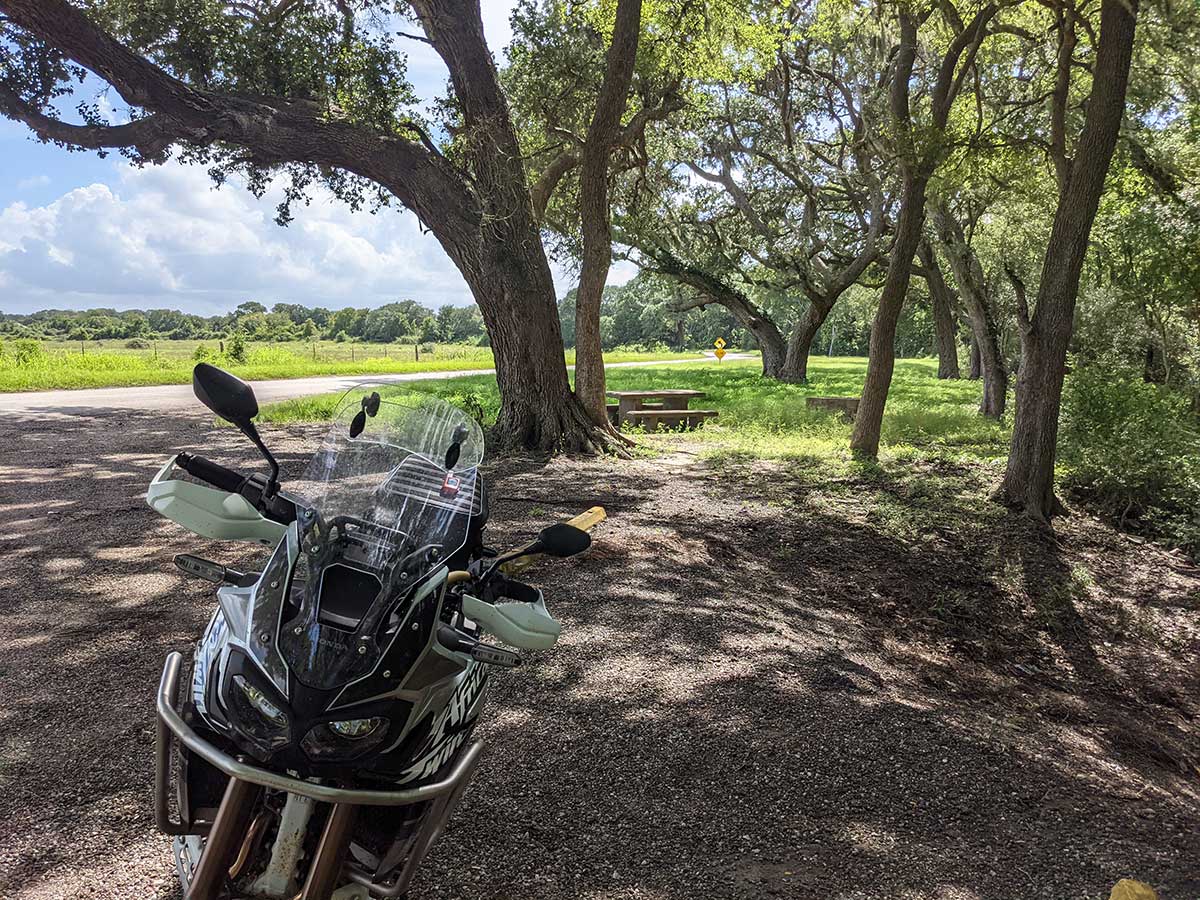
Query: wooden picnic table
(671,406)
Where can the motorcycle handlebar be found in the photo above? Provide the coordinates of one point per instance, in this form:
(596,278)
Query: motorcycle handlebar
(208,471)
(274,507)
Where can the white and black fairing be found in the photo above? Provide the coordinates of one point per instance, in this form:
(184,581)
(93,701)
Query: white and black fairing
(328,664)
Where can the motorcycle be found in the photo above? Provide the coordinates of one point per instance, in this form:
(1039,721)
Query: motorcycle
(348,674)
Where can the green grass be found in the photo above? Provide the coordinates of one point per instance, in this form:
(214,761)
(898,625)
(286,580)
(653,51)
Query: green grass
(111,364)
(760,418)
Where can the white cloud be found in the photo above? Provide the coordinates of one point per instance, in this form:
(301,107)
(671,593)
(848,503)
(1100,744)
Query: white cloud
(163,236)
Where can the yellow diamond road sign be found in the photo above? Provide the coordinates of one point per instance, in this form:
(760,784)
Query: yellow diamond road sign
(719,343)
(719,353)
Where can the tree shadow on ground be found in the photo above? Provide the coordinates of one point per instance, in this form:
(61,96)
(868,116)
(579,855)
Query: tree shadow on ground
(804,679)
(762,690)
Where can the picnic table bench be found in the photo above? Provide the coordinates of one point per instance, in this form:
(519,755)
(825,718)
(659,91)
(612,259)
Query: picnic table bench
(846,407)
(667,407)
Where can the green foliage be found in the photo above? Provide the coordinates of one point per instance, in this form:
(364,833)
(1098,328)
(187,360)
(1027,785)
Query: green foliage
(1133,449)
(396,321)
(642,314)
(236,349)
(21,352)
(331,54)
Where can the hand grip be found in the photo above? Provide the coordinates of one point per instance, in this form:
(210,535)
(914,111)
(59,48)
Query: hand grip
(210,472)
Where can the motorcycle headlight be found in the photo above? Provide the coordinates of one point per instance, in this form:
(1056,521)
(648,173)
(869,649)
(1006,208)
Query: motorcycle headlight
(258,719)
(356,729)
(259,701)
(345,740)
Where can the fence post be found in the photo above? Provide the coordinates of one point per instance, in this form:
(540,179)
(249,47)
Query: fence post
(417,352)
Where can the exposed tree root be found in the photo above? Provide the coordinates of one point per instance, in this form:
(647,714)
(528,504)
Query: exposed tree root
(1029,508)
(564,427)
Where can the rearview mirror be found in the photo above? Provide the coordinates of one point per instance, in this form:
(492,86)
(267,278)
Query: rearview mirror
(234,401)
(563,540)
(225,394)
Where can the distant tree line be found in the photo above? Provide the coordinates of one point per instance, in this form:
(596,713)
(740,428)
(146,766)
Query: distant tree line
(405,320)
(646,313)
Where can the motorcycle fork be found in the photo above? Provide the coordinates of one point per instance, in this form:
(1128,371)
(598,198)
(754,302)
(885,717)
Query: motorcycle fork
(224,839)
(230,830)
(324,873)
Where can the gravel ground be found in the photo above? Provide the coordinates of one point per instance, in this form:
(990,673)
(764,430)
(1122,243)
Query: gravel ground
(764,688)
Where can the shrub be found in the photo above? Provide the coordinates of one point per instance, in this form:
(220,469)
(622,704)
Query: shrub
(21,352)
(204,353)
(137,344)
(1134,450)
(641,347)
(482,408)
(237,347)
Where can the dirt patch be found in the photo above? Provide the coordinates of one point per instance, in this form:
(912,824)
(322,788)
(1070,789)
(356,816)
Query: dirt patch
(769,684)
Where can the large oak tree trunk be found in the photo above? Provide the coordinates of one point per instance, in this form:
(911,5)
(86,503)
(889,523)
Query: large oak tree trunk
(945,329)
(594,211)
(799,345)
(972,286)
(882,352)
(976,365)
(516,296)
(770,342)
(712,288)
(1029,477)
(506,267)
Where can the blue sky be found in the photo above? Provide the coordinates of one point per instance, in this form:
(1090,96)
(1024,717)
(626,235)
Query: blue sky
(77,231)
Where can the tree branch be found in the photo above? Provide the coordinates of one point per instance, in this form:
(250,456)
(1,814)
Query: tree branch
(950,75)
(150,136)
(274,130)
(543,189)
(1023,317)
(629,136)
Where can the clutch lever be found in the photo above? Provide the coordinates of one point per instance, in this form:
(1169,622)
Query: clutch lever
(453,639)
(215,572)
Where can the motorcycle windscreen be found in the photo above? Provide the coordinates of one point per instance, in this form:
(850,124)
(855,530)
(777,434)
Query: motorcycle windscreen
(381,510)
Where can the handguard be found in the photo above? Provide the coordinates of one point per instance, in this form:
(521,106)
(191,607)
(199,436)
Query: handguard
(526,624)
(209,512)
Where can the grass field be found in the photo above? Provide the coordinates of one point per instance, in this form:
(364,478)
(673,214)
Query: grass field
(766,419)
(112,364)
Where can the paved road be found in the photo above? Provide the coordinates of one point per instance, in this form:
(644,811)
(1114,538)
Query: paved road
(179,396)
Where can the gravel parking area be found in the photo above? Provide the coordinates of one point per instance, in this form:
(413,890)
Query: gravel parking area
(763,690)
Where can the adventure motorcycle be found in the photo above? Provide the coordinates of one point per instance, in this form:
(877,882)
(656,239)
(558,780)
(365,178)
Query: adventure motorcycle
(350,672)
